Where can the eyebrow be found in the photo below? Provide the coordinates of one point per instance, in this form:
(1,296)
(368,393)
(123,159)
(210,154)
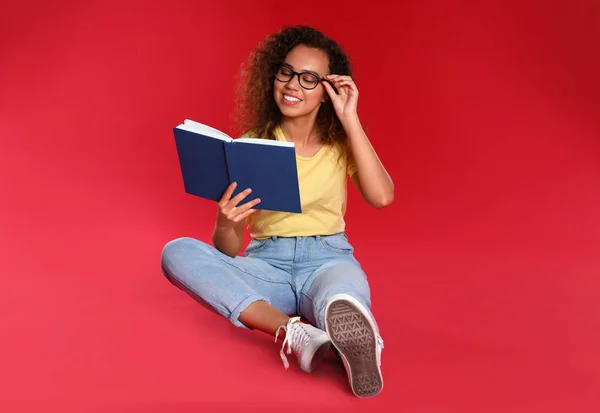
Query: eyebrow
(303,71)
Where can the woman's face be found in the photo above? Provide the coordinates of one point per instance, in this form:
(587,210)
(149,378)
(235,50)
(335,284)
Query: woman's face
(294,100)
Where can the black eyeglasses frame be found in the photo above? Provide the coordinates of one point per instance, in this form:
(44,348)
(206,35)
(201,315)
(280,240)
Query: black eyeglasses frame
(294,73)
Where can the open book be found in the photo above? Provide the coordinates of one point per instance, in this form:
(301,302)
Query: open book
(210,161)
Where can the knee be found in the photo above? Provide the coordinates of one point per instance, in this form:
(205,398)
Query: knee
(181,241)
(340,278)
(169,252)
(360,291)
(181,246)
(177,251)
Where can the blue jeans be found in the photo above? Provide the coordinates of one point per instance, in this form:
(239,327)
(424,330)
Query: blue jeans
(296,275)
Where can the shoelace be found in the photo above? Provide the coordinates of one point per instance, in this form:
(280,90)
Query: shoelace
(295,338)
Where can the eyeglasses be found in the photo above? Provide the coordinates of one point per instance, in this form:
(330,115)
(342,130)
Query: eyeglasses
(307,80)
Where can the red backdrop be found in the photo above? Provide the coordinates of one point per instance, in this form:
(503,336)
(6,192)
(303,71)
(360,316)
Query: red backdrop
(484,272)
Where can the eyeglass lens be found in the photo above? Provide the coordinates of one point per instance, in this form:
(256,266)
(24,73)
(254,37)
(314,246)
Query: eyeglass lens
(307,80)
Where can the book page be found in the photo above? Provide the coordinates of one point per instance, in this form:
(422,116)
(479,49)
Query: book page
(259,141)
(197,127)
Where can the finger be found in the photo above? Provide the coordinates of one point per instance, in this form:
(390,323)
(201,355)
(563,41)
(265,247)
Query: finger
(227,193)
(247,206)
(237,199)
(329,90)
(242,209)
(347,84)
(244,215)
(343,79)
(338,77)
(255,202)
(342,89)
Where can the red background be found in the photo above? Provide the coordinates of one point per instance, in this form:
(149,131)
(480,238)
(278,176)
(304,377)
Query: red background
(484,272)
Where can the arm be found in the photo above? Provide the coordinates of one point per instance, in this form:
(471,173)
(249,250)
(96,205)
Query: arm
(229,227)
(371,179)
(229,240)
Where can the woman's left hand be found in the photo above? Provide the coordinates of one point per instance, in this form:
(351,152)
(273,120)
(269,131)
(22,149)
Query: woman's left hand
(346,102)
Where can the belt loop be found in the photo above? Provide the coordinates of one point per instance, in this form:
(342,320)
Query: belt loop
(274,237)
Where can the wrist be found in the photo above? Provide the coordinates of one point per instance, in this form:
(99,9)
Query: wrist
(222,228)
(351,124)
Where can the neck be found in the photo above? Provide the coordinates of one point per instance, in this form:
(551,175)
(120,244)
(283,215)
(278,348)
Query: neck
(301,131)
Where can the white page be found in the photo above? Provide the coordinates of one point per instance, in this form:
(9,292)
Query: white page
(197,127)
(264,142)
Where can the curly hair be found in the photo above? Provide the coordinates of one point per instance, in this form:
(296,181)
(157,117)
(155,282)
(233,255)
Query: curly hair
(256,110)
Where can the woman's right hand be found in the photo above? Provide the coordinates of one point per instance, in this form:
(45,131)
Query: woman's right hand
(229,213)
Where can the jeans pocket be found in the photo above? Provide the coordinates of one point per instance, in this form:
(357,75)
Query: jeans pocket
(256,245)
(337,243)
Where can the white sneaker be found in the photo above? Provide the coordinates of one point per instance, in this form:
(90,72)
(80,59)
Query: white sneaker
(309,344)
(353,333)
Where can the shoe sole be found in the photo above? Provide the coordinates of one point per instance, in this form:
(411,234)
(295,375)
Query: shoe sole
(353,336)
(319,355)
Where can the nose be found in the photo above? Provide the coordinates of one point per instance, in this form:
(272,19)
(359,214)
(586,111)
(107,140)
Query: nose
(294,82)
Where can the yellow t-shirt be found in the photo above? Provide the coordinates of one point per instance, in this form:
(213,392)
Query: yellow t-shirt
(322,180)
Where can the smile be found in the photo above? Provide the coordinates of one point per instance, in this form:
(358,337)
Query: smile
(291,99)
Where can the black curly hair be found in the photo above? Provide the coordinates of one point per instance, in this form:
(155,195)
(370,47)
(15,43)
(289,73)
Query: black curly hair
(256,110)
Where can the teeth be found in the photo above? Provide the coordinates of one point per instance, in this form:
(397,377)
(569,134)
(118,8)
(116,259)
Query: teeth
(291,99)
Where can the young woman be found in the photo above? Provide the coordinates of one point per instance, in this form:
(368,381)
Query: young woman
(297,87)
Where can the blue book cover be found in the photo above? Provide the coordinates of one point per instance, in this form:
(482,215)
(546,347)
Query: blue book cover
(211,160)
